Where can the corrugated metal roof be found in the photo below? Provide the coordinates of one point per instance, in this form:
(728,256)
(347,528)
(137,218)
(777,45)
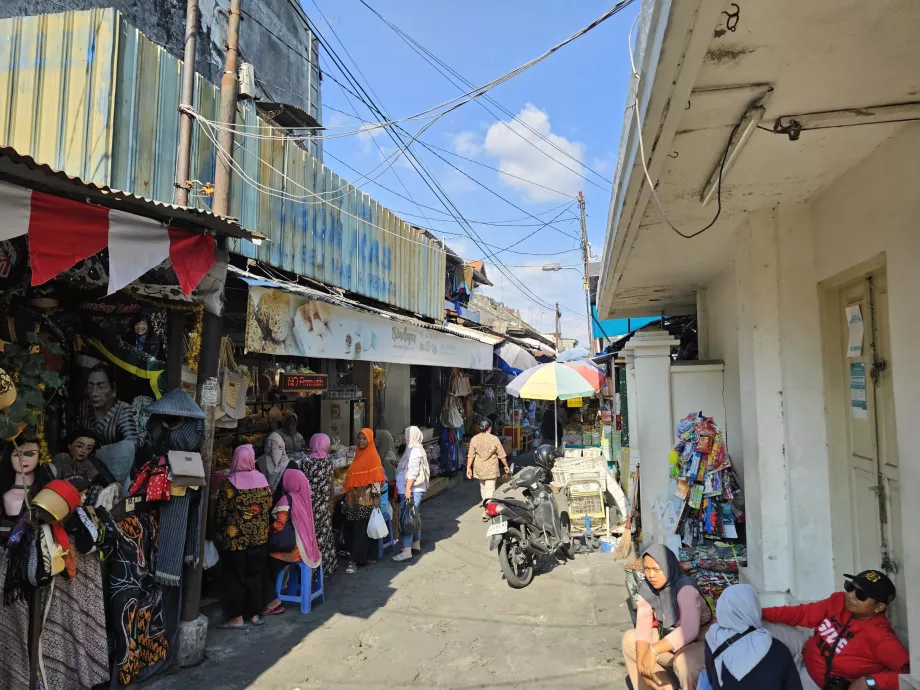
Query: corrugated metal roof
(342,301)
(474,334)
(25,171)
(89,94)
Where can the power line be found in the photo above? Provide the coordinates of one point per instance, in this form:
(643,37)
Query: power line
(498,170)
(431,59)
(417,163)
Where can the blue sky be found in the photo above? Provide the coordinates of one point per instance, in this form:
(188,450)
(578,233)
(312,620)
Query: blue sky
(576,98)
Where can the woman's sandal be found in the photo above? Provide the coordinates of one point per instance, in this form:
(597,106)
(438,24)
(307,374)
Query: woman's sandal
(277,611)
(352,568)
(231,626)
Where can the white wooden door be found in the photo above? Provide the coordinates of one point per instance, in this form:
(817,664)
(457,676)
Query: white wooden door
(871,440)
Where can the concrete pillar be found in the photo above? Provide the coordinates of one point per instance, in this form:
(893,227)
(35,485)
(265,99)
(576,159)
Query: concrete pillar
(655,433)
(702,325)
(632,417)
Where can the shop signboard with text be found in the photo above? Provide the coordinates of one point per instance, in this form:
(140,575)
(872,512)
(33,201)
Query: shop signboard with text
(281,323)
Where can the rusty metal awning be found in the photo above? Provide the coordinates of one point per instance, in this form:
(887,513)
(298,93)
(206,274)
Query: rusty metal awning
(25,171)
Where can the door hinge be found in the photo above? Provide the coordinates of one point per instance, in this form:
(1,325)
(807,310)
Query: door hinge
(878,366)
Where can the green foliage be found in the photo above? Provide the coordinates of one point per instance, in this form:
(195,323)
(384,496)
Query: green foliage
(36,385)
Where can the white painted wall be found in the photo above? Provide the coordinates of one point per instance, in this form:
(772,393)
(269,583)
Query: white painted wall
(763,319)
(697,387)
(721,299)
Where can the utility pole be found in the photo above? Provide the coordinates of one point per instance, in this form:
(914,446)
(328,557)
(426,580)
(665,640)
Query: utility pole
(212,327)
(558,314)
(586,257)
(188,94)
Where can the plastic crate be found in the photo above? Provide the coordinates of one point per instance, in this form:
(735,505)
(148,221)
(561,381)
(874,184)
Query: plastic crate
(585,504)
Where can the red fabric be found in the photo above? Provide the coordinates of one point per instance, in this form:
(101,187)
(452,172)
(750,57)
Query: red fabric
(62,233)
(867,648)
(191,255)
(65,490)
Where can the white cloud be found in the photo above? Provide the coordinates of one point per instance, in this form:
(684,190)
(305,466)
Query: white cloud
(367,131)
(521,152)
(547,287)
(467,144)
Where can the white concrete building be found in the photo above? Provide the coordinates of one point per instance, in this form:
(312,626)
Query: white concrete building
(814,107)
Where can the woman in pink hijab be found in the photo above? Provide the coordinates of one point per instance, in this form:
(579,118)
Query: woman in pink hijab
(296,507)
(318,469)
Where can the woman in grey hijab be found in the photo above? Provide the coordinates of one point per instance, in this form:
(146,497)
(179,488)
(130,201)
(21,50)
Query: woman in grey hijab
(666,650)
(273,464)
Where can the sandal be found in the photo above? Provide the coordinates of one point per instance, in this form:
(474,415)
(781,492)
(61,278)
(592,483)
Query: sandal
(403,556)
(277,611)
(231,626)
(352,568)
(258,621)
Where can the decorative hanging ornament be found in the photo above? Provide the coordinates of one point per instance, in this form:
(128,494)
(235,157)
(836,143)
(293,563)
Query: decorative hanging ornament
(7,390)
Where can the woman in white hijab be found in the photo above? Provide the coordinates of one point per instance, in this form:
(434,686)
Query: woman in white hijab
(273,464)
(412,475)
(740,654)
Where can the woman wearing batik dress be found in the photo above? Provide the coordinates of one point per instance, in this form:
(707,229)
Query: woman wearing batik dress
(318,468)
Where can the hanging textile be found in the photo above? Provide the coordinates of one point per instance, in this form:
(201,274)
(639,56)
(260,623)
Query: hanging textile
(74,646)
(14,631)
(136,618)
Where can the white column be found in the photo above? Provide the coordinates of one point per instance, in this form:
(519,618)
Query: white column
(632,418)
(654,432)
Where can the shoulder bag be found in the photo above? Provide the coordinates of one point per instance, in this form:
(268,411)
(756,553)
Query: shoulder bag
(284,541)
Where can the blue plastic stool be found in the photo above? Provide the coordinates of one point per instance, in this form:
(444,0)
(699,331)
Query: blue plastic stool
(296,591)
(388,541)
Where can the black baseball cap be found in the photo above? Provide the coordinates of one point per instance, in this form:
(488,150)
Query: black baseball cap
(876,584)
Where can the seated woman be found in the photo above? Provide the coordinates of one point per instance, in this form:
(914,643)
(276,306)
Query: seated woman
(740,654)
(666,649)
(294,506)
(853,645)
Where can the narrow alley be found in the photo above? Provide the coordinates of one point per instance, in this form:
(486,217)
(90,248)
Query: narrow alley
(448,620)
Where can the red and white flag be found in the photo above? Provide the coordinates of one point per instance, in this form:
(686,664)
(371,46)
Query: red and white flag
(63,232)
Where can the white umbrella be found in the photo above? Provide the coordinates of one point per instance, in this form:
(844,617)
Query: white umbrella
(515,356)
(573,354)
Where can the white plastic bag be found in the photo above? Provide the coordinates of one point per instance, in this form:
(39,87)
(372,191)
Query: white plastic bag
(210,555)
(377,526)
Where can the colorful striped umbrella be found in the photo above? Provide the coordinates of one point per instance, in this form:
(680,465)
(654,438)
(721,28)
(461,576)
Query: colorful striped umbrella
(593,373)
(551,382)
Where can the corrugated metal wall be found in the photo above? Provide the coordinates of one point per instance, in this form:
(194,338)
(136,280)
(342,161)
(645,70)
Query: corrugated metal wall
(88,94)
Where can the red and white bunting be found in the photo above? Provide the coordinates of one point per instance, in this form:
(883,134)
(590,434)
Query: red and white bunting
(63,232)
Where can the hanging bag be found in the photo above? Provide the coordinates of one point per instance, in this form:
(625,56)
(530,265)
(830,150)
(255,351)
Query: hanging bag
(187,468)
(284,541)
(377,526)
(409,520)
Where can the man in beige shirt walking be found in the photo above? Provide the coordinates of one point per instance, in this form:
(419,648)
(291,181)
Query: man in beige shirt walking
(482,461)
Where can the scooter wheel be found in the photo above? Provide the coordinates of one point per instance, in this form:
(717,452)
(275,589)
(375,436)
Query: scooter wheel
(517,565)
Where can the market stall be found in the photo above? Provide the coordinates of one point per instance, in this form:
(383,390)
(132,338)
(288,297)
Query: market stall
(100,473)
(704,517)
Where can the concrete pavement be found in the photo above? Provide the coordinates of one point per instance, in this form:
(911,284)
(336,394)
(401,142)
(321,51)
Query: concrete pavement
(445,620)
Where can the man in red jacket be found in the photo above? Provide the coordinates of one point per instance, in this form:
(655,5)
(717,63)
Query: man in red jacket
(853,642)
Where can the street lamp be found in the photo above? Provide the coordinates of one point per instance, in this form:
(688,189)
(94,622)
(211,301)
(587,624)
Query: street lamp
(587,286)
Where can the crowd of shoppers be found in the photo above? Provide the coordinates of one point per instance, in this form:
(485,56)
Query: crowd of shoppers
(273,513)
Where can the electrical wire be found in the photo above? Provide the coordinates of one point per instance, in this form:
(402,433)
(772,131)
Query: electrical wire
(499,170)
(648,176)
(435,62)
(396,134)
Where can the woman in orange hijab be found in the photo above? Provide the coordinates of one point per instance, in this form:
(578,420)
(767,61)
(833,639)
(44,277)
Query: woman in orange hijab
(362,484)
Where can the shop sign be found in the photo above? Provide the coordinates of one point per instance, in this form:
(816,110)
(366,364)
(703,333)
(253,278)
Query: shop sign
(304,383)
(281,323)
(574,402)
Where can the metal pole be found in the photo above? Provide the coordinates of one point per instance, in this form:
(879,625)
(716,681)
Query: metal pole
(586,257)
(212,326)
(556,332)
(229,91)
(188,95)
